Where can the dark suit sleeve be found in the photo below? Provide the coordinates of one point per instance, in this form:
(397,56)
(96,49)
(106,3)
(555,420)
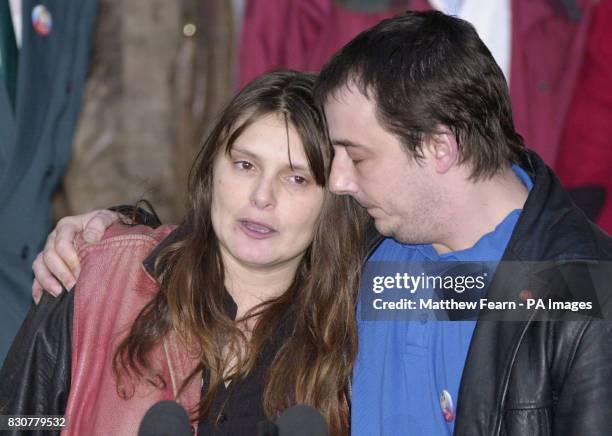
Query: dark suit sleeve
(585,399)
(35,377)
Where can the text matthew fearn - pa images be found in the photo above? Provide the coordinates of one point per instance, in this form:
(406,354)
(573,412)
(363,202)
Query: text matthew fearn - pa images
(481,304)
(419,288)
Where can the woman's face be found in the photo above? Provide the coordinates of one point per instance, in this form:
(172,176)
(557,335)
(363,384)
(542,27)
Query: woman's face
(263,210)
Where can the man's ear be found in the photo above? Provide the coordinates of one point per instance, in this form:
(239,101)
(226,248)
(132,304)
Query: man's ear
(444,149)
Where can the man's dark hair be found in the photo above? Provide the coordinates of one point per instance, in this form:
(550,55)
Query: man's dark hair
(426,69)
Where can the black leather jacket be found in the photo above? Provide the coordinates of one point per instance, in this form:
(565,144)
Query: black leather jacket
(551,373)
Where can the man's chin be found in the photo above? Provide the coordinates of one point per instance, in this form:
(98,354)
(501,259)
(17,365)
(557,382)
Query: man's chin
(384,228)
(389,231)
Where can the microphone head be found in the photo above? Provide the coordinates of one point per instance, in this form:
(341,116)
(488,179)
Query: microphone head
(301,420)
(165,418)
(267,428)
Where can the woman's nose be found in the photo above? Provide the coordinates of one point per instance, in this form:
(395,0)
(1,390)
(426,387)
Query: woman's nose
(263,196)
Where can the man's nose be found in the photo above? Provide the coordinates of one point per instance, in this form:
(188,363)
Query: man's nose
(341,178)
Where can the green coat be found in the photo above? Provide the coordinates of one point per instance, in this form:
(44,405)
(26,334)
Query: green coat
(35,144)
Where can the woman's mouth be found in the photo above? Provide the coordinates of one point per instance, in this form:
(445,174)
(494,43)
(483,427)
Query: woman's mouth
(256,230)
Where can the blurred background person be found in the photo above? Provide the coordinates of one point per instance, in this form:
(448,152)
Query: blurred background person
(585,158)
(44,48)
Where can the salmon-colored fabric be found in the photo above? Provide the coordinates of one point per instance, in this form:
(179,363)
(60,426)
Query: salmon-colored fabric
(111,290)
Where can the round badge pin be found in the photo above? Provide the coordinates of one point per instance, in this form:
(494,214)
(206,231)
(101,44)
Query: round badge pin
(42,21)
(446,404)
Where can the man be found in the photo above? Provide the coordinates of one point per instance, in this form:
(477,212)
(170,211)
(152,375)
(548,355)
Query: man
(44,53)
(420,121)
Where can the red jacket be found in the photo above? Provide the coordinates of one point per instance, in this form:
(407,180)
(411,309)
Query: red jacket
(112,289)
(585,157)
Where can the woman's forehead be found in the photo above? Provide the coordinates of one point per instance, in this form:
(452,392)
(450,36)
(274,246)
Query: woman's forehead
(271,136)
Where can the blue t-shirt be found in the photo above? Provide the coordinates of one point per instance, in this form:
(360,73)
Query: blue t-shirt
(403,368)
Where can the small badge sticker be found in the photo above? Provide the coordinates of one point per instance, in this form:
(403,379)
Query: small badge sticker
(42,21)
(446,404)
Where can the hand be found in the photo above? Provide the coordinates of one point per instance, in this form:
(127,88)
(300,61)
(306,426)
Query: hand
(58,264)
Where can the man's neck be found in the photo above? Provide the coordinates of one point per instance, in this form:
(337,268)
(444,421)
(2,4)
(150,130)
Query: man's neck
(478,208)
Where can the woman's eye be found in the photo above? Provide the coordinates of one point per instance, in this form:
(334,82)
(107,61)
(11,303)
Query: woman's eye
(299,180)
(244,165)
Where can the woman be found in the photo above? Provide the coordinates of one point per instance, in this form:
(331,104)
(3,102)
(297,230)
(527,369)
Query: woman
(242,311)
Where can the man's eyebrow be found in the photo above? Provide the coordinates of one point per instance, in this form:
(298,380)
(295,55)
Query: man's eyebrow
(346,143)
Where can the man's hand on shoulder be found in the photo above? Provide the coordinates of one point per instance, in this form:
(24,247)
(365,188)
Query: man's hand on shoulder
(57,266)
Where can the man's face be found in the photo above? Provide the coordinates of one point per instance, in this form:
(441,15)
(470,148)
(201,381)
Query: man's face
(370,164)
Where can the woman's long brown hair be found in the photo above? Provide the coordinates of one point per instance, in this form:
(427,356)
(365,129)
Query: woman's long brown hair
(314,364)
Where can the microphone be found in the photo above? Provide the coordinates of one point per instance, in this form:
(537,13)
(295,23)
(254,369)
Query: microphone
(267,428)
(165,418)
(298,420)
(301,420)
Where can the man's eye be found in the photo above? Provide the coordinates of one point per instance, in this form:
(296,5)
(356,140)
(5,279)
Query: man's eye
(244,165)
(356,160)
